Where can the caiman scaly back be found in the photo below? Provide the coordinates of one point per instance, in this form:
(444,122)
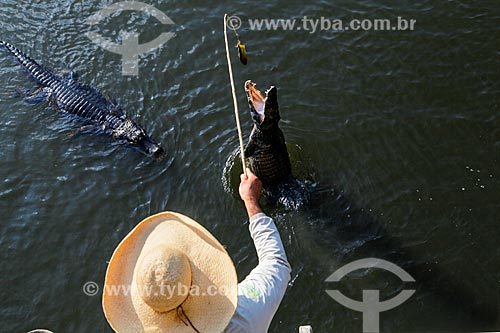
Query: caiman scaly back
(74,97)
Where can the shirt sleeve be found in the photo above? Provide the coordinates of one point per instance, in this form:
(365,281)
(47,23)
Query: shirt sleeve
(261,292)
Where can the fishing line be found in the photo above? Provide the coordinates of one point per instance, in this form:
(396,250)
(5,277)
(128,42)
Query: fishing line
(242,49)
(235,102)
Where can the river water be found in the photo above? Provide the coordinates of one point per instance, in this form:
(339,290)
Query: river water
(398,132)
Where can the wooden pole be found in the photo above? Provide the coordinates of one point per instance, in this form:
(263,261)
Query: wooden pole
(235,101)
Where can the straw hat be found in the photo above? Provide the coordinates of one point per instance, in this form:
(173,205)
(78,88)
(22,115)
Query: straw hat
(169,274)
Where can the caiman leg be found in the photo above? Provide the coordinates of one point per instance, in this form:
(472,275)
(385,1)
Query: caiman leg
(36,97)
(83,129)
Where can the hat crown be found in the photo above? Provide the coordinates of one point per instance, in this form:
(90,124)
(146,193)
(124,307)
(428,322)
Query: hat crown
(163,278)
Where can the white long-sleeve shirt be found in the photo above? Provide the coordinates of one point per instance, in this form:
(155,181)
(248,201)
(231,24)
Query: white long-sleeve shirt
(261,292)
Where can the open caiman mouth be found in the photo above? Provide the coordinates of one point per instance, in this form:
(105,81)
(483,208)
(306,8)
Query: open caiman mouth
(257,100)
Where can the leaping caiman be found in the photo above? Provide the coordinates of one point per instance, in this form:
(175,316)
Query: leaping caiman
(85,101)
(266,151)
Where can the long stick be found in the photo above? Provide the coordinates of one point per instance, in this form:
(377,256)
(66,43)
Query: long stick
(235,102)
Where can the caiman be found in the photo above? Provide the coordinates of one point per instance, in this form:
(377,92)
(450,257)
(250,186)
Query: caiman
(73,97)
(266,151)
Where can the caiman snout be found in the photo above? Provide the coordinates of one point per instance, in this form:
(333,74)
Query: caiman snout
(151,148)
(263,107)
(256,102)
(158,152)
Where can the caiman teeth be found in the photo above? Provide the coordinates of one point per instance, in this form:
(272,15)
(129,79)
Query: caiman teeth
(249,85)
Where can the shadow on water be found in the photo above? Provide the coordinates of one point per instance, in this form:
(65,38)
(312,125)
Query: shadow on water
(340,227)
(343,232)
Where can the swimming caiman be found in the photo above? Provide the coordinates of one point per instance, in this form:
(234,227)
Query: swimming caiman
(71,96)
(266,151)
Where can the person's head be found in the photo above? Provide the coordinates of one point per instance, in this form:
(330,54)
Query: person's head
(169,274)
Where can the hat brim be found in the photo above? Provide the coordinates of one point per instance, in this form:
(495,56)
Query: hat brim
(213,297)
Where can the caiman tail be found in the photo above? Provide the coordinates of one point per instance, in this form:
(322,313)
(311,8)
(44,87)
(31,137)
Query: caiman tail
(36,71)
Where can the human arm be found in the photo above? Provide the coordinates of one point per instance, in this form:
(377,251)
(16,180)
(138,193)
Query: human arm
(264,233)
(250,191)
(261,292)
